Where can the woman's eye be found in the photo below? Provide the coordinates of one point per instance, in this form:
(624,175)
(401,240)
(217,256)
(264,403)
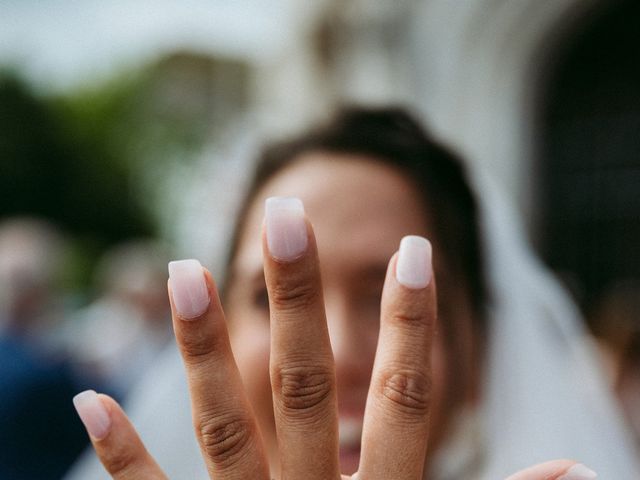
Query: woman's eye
(261,299)
(370,303)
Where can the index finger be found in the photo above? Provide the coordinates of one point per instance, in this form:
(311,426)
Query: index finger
(222,417)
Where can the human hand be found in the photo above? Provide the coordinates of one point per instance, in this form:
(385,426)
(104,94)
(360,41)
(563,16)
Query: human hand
(302,372)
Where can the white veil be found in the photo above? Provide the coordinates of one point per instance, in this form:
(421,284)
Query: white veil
(544,396)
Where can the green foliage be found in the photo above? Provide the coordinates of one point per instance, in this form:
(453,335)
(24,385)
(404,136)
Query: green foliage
(60,163)
(93,160)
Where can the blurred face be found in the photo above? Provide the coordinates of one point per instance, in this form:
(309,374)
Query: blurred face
(360,209)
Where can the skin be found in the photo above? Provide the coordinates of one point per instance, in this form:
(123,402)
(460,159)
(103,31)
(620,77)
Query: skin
(349,198)
(305,361)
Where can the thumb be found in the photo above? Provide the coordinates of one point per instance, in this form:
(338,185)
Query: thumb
(114,438)
(556,470)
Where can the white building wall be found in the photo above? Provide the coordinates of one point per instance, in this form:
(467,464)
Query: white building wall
(470,68)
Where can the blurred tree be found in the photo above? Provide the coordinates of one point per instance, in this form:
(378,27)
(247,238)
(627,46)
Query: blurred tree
(96,160)
(67,174)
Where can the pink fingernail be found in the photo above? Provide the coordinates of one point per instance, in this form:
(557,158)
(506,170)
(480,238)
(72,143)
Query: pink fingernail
(188,288)
(579,472)
(286,228)
(93,414)
(413,268)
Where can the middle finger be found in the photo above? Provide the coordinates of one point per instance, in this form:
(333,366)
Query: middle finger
(301,366)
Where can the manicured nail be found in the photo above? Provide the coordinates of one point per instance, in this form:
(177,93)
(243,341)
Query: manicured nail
(189,288)
(93,414)
(579,472)
(413,268)
(286,228)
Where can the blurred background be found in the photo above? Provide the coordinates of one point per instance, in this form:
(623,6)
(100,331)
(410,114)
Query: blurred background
(125,128)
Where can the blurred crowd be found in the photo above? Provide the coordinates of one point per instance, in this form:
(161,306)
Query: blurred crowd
(53,345)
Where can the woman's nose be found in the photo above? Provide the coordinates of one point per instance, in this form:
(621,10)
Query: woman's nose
(353,344)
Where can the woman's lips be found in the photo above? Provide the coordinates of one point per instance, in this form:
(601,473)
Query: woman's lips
(350,429)
(349,462)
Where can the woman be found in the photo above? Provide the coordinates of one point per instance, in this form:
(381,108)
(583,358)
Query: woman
(367,180)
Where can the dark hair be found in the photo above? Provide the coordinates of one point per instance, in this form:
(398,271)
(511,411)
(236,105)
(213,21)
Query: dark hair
(393,137)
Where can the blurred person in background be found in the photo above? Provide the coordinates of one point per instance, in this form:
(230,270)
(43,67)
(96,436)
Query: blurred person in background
(513,377)
(118,336)
(616,319)
(31,255)
(39,434)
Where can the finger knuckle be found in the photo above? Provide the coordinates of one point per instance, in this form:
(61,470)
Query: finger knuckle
(303,390)
(224,438)
(407,391)
(293,295)
(120,462)
(409,317)
(197,346)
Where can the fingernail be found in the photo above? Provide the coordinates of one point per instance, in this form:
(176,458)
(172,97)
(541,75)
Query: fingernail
(188,288)
(413,268)
(286,228)
(579,472)
(93,414)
